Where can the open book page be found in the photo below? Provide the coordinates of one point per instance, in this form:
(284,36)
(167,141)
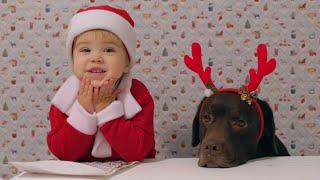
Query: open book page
(111,166)
(72,168)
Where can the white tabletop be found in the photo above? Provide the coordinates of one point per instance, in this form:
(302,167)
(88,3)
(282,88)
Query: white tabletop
(277,168)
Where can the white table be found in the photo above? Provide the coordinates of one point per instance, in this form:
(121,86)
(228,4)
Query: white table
(277,168)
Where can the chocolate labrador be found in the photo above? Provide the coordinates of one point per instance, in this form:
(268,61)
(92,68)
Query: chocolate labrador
(233,125)
(226,128)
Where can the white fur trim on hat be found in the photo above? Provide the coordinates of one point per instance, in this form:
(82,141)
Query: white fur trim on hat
(102,19)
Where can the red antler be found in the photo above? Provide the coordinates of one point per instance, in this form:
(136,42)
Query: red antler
(195,64)
(264,68)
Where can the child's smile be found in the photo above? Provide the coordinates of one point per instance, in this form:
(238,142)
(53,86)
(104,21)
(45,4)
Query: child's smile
(96,73)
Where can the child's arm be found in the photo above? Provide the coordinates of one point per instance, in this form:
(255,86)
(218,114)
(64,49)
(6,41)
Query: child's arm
(71,138)
(132,139)
(66,140)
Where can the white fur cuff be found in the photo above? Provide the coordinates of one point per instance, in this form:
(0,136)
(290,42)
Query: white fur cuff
(113,111)
(80,119)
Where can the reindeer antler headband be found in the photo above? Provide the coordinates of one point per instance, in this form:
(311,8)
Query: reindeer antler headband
(248,91)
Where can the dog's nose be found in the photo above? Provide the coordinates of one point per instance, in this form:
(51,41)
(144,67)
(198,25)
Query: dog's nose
(213,148)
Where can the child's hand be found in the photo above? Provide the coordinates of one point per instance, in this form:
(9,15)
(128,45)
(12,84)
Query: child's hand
(104,95)
(85,95)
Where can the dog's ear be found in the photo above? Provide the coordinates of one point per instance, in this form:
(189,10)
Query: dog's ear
(196,127)
(269,144)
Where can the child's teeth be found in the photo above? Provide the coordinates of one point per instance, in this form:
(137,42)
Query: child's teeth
(97,71)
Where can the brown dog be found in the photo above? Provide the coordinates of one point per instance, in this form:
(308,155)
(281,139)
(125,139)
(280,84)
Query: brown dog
(226,128)
(232,125)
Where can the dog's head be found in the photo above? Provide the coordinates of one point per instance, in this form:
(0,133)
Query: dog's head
(227,128)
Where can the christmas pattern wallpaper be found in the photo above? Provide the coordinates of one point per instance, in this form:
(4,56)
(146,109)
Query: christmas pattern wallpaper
(34,64)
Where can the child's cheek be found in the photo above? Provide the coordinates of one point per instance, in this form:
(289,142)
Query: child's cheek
(114,73)
(79,69)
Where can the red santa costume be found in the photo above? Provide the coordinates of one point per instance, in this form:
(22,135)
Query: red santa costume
(124,129)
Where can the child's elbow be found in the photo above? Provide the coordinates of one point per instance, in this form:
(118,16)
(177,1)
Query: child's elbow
(139,154)
(62,156)
(60,153)
(134,157)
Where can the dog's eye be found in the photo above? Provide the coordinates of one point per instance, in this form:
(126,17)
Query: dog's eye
(207,116)
(207,119)
(242,123)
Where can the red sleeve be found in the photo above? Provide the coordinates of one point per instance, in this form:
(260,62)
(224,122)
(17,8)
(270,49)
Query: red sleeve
(66,142)
(133,139)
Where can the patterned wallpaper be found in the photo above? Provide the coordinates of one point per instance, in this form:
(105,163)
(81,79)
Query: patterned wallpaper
(33,65)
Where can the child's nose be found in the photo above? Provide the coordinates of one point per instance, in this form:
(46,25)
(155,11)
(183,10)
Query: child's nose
(97,57)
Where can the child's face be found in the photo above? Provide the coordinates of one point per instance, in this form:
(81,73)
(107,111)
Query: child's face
(99,54)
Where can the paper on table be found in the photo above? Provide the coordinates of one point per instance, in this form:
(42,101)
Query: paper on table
(72,168)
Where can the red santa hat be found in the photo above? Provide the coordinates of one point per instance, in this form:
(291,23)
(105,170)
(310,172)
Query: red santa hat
(105,17)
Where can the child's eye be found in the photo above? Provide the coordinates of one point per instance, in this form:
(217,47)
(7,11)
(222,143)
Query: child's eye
(85,50)
(108,50)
